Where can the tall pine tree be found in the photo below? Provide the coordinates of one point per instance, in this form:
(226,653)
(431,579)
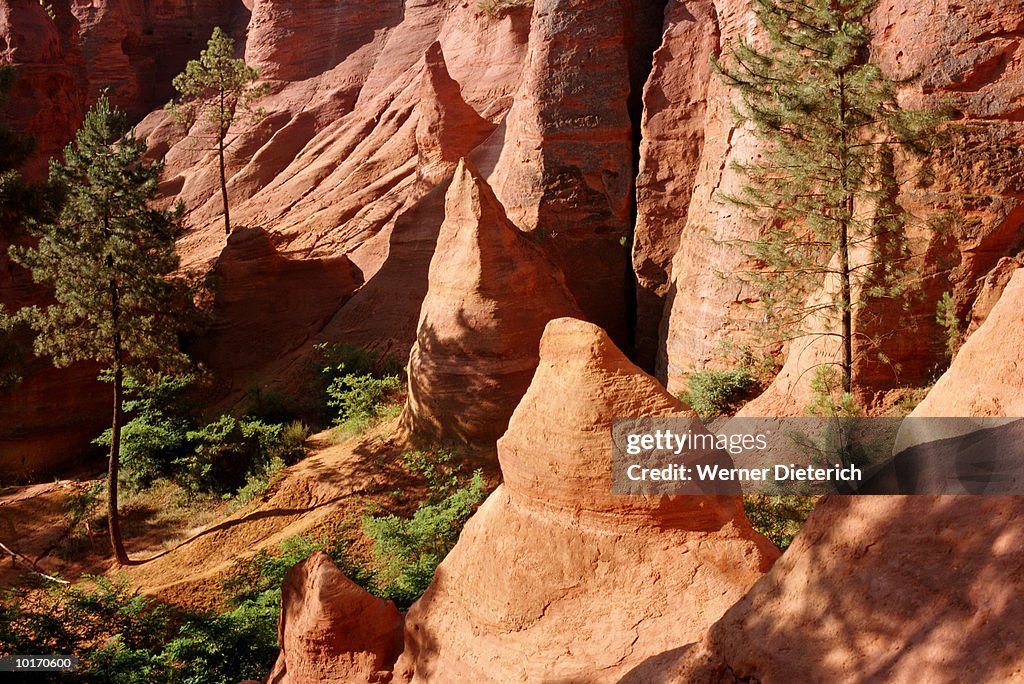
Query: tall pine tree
(825,186)
(109,258)
(221,91)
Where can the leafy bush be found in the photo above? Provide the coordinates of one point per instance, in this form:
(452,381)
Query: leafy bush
(778,517)
(437,468)
(357,383)
(228,450)
(359,399)
(718,393)
(156,435)
(408,551)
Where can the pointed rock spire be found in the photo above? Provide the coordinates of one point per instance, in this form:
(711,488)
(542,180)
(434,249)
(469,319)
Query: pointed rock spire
(447,128)
(491,291)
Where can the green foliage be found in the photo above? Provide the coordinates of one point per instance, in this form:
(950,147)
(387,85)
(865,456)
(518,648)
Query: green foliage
(109,256)
(222,91)
(778,517)
(157,434)
(829,400)
(714,393)
(437,467)
(945,315)
(223,453)
(825,185)
(123,637)
(408,551)
(359,399)
(82,621)
(357,383)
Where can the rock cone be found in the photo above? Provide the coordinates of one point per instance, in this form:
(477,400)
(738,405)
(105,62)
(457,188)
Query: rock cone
(491,292)
(555,579)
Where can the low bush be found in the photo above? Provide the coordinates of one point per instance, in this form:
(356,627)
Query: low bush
(157,433)
(357,383)
(408,550)
(714,393)
(778,517)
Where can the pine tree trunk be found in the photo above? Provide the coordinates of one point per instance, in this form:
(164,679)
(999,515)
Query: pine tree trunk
(224,187)
(113,518)
(847,304)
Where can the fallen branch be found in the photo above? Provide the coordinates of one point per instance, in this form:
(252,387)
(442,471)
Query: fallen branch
(32,567)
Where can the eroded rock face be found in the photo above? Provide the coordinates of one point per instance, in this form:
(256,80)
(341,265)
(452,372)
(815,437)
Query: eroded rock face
(491,292)
(295,40)
(964,53)
(565,171)
(266,305)
(134,48)
(48,97)
(331,630)
(879,588)
(556,579)
(675,103)
(985,378)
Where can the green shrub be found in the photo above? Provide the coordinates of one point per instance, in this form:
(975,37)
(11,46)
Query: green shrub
(408,551)
(156,435)
(356,384)
(359,399)
(438,469)
(227,451)
(778,517)
(718,393)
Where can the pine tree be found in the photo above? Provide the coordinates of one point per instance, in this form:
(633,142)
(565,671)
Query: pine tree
(222,91)
(825,188)
(108,257)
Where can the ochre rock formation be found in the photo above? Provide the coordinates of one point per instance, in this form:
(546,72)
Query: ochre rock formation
(293,41)
(675,103)
(51,416)
(899,589)
(331,631)
(556,579)
(48,97)
(265,306)
(986,378)
(134,48)
(565,171)
(491,292)
(964,55)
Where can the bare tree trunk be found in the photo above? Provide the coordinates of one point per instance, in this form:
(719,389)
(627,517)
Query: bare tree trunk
(224,188)
(847,304)
(222,130)
(113,518)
